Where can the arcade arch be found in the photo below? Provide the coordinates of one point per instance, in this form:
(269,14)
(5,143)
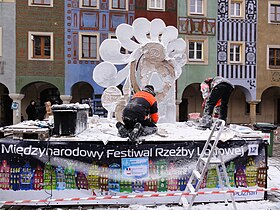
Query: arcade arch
(40,92)
(270,106)
(6,113)
(237,108)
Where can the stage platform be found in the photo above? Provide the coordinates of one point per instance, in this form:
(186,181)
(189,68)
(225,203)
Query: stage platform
(98,167)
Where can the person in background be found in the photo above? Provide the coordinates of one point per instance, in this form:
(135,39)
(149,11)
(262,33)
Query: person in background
(140,115)
(48,106)
(31,110)
(219,89)
(204,88)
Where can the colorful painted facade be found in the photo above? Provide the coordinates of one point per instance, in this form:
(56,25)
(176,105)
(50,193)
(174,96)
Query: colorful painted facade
(240,177)
(38,180)
(251,173)
(212,178)
(60,178)
(268,64)
(4,175)
(93,176)
(7,59)
(151,184)
(70,177)
(197,25)
(163,9)
(49,177)
(138,185)
(26,177)
(15,177)
(81,181)
(89,24)
(230,173)
(172,179)
(103,179)
(114,177)
(161,169)
(182,182)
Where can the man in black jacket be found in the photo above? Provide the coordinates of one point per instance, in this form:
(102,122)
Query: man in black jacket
(140,115)
(220,88)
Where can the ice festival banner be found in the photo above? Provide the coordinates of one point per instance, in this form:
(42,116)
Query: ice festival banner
(82,168)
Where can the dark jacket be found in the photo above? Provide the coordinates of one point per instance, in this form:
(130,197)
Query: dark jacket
(141,107)
(31,111)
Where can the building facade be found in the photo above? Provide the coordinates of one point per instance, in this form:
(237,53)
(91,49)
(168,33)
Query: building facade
(87,24)
(197,25)
(7,59)
(236,55)
(268,62)
(49,49)
(39,52)
(163,9)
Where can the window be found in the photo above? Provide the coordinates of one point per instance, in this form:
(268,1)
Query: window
(197,7)
(88,46)
(156,4)
(1,41)
(197,50)
(237,9)
(118,4)
(274,13)
(44,3)
(90,4)
(236,51)
(274,58)
(40,46)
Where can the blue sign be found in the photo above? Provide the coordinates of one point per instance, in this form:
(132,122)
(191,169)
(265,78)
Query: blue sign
(135,168)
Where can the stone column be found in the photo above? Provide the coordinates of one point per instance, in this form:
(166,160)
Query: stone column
(66,99)
(178,102)
(16,112)
(253,112)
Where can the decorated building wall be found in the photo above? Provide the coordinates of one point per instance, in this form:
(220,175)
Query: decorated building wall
(197,26)
(95,23)
(236,47)
(7,59)
(163,9)
(49,22)
(268,62)
(7,44)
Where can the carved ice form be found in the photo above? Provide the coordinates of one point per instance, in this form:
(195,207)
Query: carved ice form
(156,57)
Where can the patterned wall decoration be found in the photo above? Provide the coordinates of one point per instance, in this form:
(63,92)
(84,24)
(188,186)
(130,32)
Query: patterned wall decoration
(197,26)
(232,29)
(104,5)
(275,76)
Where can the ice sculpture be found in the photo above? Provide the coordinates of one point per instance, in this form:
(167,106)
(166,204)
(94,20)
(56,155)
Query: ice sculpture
(155,56)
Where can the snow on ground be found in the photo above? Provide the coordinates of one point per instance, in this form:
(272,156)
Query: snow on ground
(103,129)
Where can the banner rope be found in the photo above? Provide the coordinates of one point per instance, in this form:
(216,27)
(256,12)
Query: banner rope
(16,202)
